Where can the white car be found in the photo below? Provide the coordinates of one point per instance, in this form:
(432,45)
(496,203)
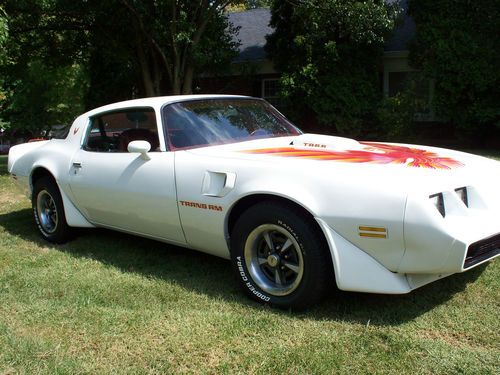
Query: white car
(296,213)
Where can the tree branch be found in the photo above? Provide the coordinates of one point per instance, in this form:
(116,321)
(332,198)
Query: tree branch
(153,41)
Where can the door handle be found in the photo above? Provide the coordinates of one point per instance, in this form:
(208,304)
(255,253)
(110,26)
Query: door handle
(77,166)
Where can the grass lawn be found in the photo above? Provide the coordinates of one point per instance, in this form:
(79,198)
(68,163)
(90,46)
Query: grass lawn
(112,303)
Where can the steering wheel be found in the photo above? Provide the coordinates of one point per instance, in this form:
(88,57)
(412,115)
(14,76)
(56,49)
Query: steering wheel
(258,132)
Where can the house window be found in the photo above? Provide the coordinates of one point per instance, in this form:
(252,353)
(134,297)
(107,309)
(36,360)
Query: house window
(271,90)
(397,82)
(399,76)
(401,81)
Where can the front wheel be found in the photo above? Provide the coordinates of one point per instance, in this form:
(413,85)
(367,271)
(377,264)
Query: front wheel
(48,211)
(280,256)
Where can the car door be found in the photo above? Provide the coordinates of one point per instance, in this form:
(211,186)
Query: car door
(122,190)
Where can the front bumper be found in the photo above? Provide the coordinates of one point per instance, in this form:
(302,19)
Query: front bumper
(355,270)
(465,237)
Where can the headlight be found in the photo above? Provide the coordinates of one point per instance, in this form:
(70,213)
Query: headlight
(462,194)
(438,202)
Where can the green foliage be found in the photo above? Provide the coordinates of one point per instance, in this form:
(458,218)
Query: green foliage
(329,51)
(4,32)
(457,45)
(249,4)
(252,4)
(65,55)
(396,115)
(41,77)
(169,42)
(45,96)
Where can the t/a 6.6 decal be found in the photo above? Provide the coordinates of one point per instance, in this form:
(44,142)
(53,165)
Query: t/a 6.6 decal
(202,206)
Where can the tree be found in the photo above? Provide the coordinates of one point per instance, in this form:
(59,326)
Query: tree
(3,55)
(41,81)
(4,32)
(328,52)
(166,41)
(178,38)
(46,96)
(456,45)
(104,52)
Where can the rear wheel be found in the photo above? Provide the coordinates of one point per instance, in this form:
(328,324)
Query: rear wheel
(280,256)
(48,211)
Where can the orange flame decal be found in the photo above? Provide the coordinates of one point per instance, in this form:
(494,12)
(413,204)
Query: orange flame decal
(374,153)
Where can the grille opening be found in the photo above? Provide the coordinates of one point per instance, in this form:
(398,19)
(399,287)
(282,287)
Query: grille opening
(438,202)
(482,250)
(463,195)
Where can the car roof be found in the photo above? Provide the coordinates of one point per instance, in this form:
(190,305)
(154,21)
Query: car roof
(155,102)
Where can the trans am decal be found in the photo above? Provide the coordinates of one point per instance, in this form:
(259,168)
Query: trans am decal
(375,153)
(202,206)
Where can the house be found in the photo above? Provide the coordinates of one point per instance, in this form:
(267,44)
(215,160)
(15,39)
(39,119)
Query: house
(254,74)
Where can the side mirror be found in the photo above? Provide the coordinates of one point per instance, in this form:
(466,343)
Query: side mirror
(142,147)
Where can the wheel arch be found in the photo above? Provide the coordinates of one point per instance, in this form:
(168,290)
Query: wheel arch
(74,217)
(39,172)
(248,201)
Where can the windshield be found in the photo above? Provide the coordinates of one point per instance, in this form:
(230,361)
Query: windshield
(210,122)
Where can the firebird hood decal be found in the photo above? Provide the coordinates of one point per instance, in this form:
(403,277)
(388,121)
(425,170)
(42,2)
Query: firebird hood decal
(369,152)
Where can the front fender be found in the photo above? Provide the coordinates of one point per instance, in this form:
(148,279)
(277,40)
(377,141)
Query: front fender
(343,204)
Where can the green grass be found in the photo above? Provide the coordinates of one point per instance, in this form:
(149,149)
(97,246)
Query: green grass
(112,303)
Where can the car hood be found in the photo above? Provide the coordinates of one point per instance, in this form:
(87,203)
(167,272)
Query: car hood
(398,165)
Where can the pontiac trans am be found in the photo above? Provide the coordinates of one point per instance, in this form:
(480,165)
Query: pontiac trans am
(295,213)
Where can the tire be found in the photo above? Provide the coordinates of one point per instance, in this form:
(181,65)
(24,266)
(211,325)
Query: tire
(48,211)
(280,256)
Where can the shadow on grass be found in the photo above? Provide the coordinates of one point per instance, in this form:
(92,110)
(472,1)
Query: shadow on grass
(3,165)
(213,277)
(392,310)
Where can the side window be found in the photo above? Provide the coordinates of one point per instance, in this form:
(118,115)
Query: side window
(113,131)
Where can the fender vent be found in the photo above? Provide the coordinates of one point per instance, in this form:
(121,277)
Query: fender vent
(482,250)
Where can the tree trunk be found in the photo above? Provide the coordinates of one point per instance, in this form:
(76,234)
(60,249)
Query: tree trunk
(145,72)
(157,76)
(176,85)
(187,86)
